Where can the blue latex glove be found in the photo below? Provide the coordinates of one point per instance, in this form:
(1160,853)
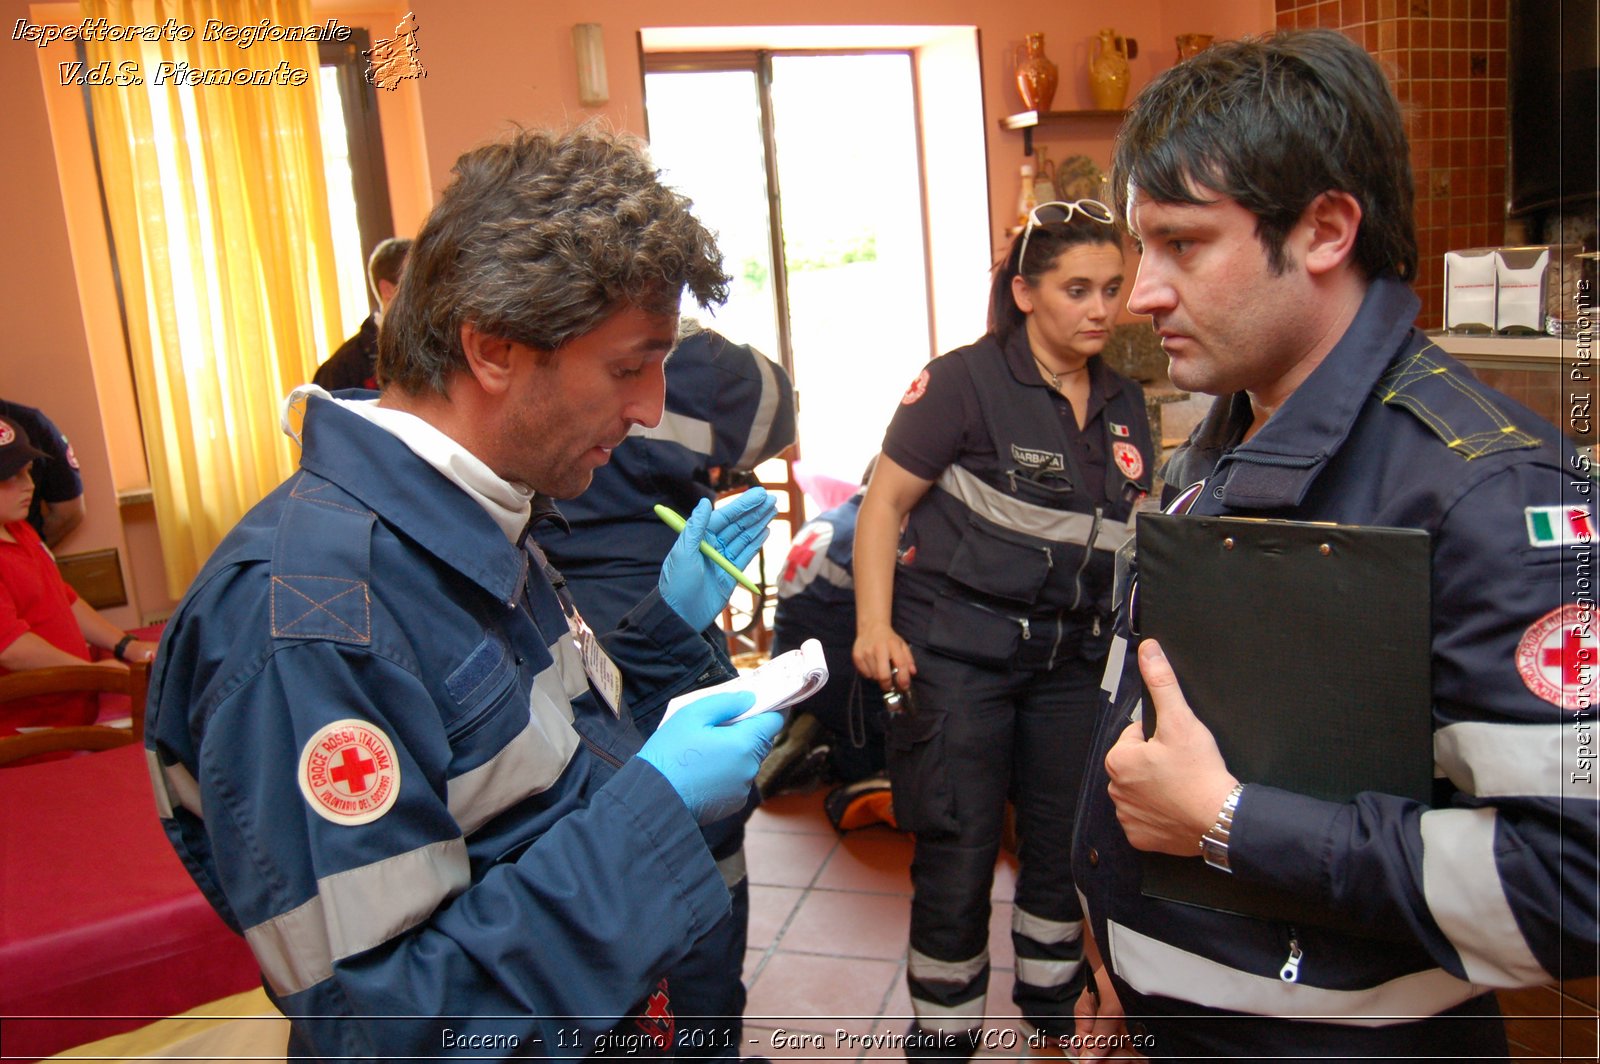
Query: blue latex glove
(692,584)
(711,766)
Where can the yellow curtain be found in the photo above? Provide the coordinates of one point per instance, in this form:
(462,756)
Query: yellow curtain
(218,210)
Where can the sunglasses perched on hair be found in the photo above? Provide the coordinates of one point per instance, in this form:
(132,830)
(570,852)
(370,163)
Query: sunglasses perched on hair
(1059,212)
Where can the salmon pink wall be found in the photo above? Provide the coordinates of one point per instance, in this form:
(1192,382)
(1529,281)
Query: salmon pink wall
(513,61)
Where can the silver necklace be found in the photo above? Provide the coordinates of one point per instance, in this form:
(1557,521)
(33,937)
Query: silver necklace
(1055,378)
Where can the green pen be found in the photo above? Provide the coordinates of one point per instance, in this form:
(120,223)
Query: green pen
(677,524)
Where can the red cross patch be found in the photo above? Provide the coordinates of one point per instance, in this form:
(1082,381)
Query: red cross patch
(657,1024)
(1128,459)
(348,772)
(7,434)
(1558,656)
(805,558)
(802,554)
(916,389)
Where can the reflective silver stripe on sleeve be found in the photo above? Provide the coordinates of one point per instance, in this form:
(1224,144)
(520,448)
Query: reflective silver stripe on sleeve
(1037,972)
(529,764)
(835,574)
(685,431)
(1512,760)
(766,411)
(952,1019)
(1058,526)
(732,868)
(1461,883)
(355,911)
(174,787)
(930,970)
(832,572)
(1048,932)
(1154,967)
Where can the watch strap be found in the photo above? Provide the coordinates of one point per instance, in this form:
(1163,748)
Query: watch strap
(121,649)
(1214,843)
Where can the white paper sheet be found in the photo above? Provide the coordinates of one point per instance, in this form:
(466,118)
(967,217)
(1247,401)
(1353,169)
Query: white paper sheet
(777,684)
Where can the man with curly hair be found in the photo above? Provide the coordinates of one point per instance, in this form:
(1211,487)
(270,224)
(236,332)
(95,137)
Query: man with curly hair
(383,740)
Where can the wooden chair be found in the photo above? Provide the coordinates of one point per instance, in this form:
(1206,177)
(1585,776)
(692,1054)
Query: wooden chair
(75,679)
(749,627)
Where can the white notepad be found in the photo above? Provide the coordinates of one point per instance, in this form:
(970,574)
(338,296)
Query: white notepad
(777,684)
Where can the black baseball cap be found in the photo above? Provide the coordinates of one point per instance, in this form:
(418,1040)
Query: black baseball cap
(16,450)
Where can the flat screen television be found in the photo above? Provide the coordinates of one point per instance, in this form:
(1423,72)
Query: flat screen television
(1553,100)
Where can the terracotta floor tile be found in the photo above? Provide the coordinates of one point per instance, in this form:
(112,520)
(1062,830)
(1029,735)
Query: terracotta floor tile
(782,859)
(793,813)
(1001,953)
(1002,1010)
(1005,877)
(874,859)
(770,909)
(899,1004)
(800,991)
(752,965)
(850,924)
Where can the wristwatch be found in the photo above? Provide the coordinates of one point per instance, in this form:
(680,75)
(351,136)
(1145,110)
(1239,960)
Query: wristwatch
(1214,843)
(121,649)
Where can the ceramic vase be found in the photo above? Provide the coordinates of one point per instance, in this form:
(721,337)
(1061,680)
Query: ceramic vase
(1036,76)
(1108,72)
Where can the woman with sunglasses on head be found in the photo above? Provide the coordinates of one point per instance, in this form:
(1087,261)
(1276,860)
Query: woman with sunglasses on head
(1014,467)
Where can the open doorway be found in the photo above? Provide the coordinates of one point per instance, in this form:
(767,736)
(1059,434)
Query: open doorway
(808,167)
(844,170)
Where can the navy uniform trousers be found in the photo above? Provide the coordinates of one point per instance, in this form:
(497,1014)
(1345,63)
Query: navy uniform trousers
(979,737)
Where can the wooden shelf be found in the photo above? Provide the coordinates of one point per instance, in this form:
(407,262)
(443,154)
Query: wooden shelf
(135,496)
(1489,351)
(1028,121)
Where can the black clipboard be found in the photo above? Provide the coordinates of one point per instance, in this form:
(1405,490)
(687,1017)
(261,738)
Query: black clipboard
(1305,648)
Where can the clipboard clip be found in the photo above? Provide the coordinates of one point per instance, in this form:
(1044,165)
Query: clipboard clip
(1125,580)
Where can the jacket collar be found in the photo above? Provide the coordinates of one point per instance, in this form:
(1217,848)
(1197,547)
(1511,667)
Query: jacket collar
(412,497)
(544,509)
(1277,466)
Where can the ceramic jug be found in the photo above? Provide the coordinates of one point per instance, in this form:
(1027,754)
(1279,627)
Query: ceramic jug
(1108,72)
(1036,76)
(1044,179)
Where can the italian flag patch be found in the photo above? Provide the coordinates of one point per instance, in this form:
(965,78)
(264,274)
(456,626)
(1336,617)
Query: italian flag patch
(1559,526)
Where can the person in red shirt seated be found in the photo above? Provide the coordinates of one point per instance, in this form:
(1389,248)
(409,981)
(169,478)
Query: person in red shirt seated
(43,623)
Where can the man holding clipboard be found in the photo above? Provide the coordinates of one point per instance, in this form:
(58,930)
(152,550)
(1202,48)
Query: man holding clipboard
(1267,182)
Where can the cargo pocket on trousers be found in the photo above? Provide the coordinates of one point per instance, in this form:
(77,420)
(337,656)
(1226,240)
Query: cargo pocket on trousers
(919,774)
(968,632)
